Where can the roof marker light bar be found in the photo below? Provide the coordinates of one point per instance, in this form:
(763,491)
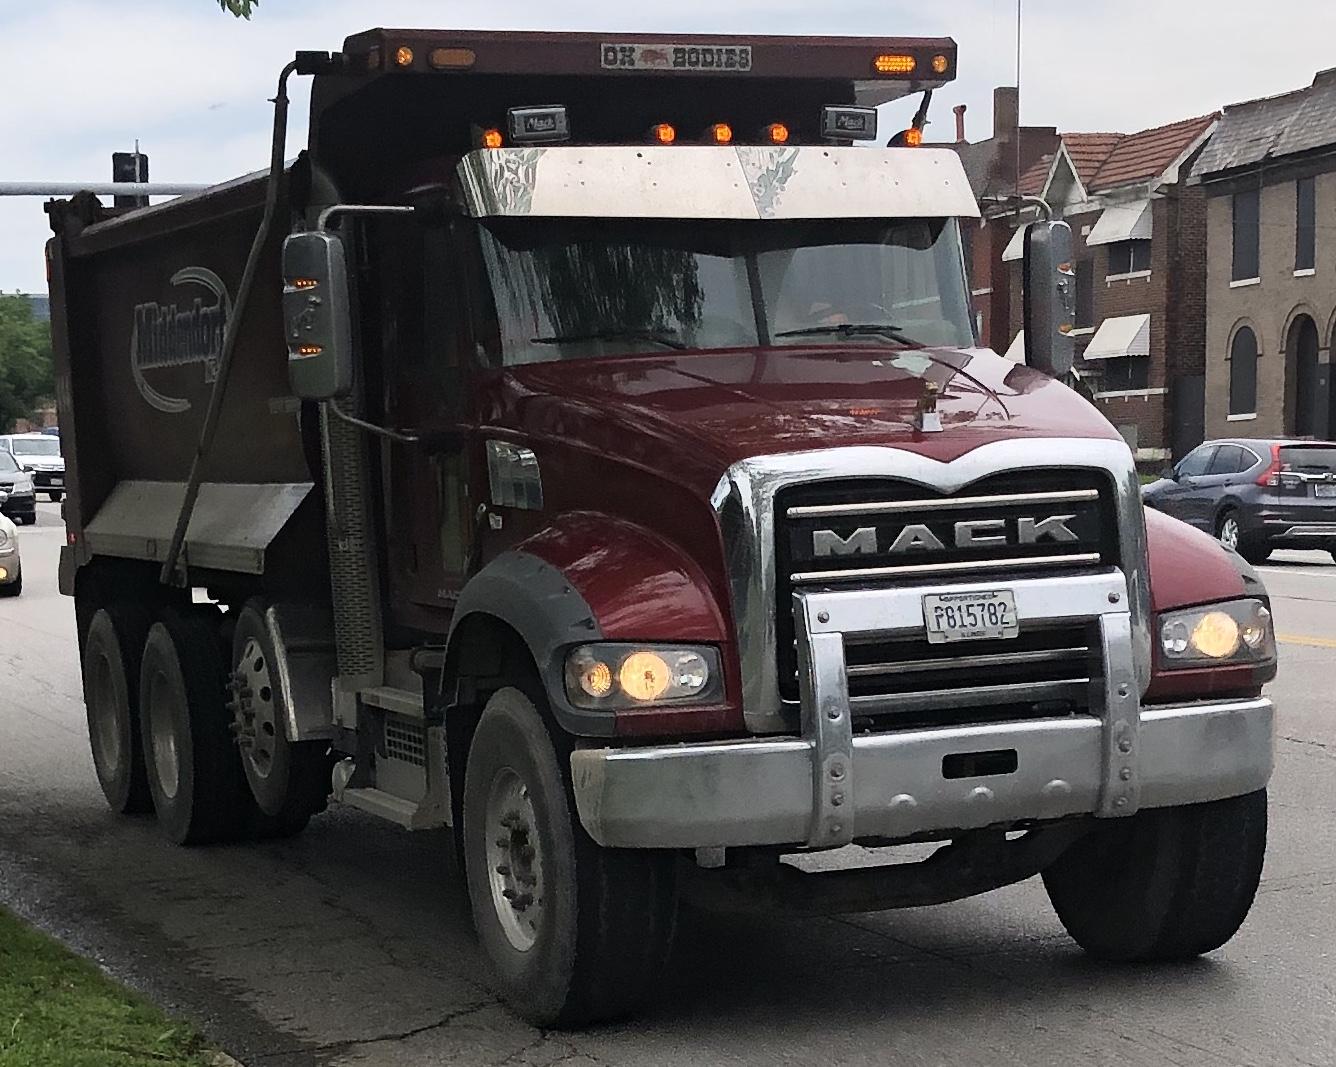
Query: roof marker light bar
(849,123)
(538,125)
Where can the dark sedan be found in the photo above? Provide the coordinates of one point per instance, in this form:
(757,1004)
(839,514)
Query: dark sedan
(1254,495)
(20,503)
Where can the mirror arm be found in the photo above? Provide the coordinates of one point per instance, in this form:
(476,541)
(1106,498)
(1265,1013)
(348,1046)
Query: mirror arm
(322,220)
(432,441)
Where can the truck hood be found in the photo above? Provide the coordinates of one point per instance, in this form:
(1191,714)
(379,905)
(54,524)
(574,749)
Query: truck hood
(700,412)
(41,463)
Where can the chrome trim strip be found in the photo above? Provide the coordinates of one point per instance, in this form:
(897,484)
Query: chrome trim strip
(952,503)
(1000,659)
(1080,559)
(744,505)
(1312,529)
(982,695)
(1119,699)
(828,728)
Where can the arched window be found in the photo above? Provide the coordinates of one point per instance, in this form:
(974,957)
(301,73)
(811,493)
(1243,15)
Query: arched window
(1243,372)
(1301,378)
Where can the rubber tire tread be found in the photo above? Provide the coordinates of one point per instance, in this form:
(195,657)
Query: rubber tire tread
(604,964)
(14,588)
(129,623)
(213,785)
(1170,885)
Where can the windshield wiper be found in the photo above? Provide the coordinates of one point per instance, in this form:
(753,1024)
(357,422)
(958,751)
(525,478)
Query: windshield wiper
(853,329)
(611,335)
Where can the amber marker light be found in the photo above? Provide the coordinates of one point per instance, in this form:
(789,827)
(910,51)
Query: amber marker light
(304,283)
(403,56)
(309,350)
(778,133)
(721,133)
(452,58)
(913,137)
(492,139)
(939,64)
(663,133)
(596,680)
(894,64)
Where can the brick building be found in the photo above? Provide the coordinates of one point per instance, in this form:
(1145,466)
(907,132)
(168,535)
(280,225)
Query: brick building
(1269,177)
(1139,235)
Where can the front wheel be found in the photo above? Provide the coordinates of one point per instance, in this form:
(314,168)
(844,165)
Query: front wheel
(1165,884)
(576,933)
(1230,534)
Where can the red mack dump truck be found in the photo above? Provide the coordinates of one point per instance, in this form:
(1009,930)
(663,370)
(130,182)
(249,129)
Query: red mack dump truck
(584,445)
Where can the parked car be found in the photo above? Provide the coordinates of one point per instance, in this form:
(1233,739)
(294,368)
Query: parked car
(39,454)
(1254,495)
(11,572)
(20,503)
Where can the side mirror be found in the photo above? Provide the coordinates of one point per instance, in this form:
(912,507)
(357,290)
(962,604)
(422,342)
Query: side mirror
(317,321)
(1049,295)
(1169,474)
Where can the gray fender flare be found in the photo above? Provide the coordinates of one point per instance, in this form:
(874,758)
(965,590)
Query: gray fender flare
(535,599)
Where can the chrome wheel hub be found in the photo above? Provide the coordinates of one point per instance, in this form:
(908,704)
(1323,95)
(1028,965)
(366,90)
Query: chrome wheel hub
(1229,532)
(254,716)
(514,860)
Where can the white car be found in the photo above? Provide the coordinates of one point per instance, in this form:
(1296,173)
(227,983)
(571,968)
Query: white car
(11,571)
(39,455)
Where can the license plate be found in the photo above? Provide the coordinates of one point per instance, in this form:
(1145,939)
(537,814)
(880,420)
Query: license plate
(57,481)
(970,616)
(1325,490)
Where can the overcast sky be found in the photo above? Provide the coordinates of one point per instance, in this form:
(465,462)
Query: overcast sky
(83,79)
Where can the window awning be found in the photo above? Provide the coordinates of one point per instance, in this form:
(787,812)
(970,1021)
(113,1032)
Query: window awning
(1016,352)
(1125,335)
(1015,247)
(1122,222)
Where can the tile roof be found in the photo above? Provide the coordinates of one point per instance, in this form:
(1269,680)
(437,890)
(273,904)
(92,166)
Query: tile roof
(1140,156)
(1257,130)
(1088,151)
(1032,180)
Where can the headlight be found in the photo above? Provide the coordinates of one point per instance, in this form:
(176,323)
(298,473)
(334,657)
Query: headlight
(613,675)
(22,485)
(6,542)
(1235,632)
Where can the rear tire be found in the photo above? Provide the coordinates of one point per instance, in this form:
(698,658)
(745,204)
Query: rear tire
(194,772)
(593,936)
(1166,884)
(289,781)
(112,653)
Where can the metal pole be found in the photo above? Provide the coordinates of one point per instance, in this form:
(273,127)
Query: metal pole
(100,188)
(233,328)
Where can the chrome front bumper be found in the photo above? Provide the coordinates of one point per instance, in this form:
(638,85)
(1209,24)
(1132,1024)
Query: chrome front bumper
(831,786)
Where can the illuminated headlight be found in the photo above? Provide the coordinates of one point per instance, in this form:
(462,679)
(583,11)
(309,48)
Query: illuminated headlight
(1235,632)
(610,676)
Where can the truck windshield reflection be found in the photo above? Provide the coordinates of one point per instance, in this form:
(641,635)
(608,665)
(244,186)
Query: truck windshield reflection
(575,289)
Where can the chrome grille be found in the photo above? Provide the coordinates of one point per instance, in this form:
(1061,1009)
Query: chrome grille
(879,532)
(1043,673)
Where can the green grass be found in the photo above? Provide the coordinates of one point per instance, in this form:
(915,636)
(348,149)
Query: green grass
(57,1010)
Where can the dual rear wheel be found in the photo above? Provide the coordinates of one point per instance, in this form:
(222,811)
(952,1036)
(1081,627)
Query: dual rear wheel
(165,736)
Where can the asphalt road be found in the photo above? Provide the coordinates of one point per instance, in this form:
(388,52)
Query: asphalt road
(352,945)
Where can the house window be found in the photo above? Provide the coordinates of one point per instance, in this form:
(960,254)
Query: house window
(1243,372)
(1246,266)
(1128,257)
(1305,224)
(1127,372)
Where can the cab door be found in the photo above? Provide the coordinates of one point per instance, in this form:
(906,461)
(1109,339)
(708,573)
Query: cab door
(1186,499)
(426,379)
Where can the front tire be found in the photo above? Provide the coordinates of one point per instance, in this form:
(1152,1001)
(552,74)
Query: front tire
(1165,884)
(576,933)
(194,772)
(112,653)
(1230,534)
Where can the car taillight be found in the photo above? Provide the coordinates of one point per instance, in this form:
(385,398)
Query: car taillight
(1271,476)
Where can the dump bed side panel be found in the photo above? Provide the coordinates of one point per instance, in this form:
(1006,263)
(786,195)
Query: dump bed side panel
(139,305)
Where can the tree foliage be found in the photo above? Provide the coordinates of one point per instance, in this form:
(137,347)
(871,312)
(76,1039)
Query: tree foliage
(27,378)
(241,8)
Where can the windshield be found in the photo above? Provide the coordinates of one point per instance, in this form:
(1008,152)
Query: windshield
(575,288)
(7,463)
(36,446)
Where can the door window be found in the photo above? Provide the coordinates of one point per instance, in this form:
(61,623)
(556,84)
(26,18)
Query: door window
(1228,460)
(1195,463)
